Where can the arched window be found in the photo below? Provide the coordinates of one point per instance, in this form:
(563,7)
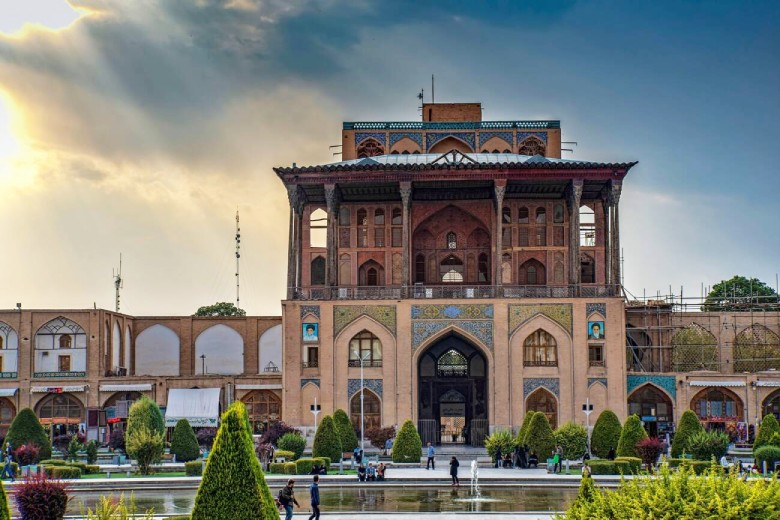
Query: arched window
(717,405)
(318,271)
(371,274)
(372,277)
(543,401)
(756,348)
(540,350)
(397,217)
(452,364)
(587,226)
(558,269)
(379,217)
(507,151)
(531,146)
(344,216)
(405,152)
(372,410)
(772,404)
(264,408)
(61,412)
(66,341)
(362,222)
(362,217)
(451,270)
(541,215)
(649,401)
(558,214)
(482,268)
(452,240)
(522,216)
(367,347)
(318,226)
(345,270)
(694,348)
(419,269)
(7,414)
(587,268)
(506,268)
(532,272)
(370,148)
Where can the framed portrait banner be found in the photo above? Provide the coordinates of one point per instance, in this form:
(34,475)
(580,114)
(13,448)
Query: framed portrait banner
(311,332)
(595,330)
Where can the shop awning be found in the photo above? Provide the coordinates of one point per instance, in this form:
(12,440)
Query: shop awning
(259,387)
(141,387)
(200,406)
(717,383)
(57,389)
(767,383)
(8,392)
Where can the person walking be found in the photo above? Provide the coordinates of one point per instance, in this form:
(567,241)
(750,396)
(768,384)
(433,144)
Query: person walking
(559,454)
(430,464)
(555,460)
(8,469)
(314,494)
(287,499)
(498,456)
(454,471)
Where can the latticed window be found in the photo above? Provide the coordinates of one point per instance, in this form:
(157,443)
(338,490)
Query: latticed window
(452,241)
(62,412)
(264,408)
(543,401)
(344,237)
(367,347)
(522,216)
(397,237)
(541,236)
(318,271)
(344,216)
(558,236)
(419,269)
(523,237)
(379,237)
(452,364)
(370,148)
(717,405)
(540,350)
(756,348)
(531,146)
(372,411)
(694,348)
(451,270)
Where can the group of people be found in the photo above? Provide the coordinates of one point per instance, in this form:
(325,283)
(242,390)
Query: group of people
(371,472)
(521,457)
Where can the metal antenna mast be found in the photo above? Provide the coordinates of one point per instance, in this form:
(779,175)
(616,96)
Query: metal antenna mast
(238,257)
(119,283)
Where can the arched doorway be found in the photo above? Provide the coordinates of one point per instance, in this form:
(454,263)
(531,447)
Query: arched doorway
(7,414)
(771,405)
(60,414)
(452,392)
(718,409)
(372,411)
(654,408)
(264,408)
(543,401)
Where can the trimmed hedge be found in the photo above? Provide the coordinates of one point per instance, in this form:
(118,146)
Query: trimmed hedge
(408,445)
(606,434)
(768,428)
(634,464)
(193,468)
(59,472)
(276,467)
(609,467)
(632,433)
(289,468)
(539,437)
(86,469)
(689,425)
(303,466)
(284,453)
(294,442)
(184,444)
(233,485)
(325,460)
(770,454)
(349,440)
(326,441)
(27,429)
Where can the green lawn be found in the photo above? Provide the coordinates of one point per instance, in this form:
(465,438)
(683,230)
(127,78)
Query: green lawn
(136,475)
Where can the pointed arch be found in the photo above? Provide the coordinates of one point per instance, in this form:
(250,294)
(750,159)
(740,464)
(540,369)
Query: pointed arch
(365,346)
(61,346)
(317,272)
(116,347)
(223,347)
(456,331)
(650,400)
(371,410)
(717,404)
(771,405)
(543,400)
(371,274)
(369,147)
(406,145)
(540,349)
(264,408)
(756,348)
(532,145)
(449,143)
(270,350)
(694,348)
(532,272)
(157,352)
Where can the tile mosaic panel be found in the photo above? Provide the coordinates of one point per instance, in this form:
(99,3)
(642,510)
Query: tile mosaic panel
(600,308)
(305,382)
(532,383)
(343,315)
(668,383)
(424,329)
(310,309)
(432,138)
(362,136)
(487,136)
(452,312)
(523,135)
(559,313)
(417,137)
(593,380)
(353,386)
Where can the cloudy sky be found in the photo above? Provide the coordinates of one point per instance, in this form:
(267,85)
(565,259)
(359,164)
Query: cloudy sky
(139,127)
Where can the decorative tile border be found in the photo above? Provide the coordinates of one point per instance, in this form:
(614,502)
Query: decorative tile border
(417,137)
(593,380)
(58,375)
(592,308)
(487,136)
(523,135)
(424,329)
(343,315)
(353,386)
(362,136)
(310,309)
(305,382)
(668,383)
(452,312)
(432,138)
(533,383)
(559,313)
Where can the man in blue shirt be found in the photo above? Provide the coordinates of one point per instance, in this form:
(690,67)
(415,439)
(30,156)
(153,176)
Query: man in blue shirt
(431,464)
(314,492)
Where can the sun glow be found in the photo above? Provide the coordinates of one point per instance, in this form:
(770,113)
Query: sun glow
(8,143)
(17,16)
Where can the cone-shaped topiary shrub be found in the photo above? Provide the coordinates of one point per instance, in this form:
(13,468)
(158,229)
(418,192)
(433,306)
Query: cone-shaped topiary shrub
(5,513)
(26,429)
(520,439)
(184,444)
(326,441)
(689,424)
(539,437)
(408,445)
(768,428)
(632,433)
(349,440)
(233,484)
(145,412)
(606,434)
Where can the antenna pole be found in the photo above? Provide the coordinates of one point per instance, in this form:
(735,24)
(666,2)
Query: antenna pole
(118,284)
(433,90)
(238,257)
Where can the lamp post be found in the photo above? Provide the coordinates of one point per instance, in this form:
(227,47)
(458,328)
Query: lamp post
(363,357)
(203,362)
(315,409)
(587,409)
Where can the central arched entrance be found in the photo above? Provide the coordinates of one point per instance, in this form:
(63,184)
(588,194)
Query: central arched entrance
(452,383)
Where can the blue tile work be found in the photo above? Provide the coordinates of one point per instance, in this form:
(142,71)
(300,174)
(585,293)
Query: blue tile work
(523,135)
(353,386)
(668,383)
(600,308)
(304,382)
(422,330)
(362,136)
(487,136)
(417,137)
(593,380)
(432,139)
(314,310)
(343,315)
(550,383)
(451,312)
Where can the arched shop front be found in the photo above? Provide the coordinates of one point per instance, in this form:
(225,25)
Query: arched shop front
(654,407)
(61,413)
(720,408)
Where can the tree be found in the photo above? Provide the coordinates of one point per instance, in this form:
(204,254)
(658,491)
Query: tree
(768,428)
(499,441)
(704,445)
(632,433)
(219,309)
(26,429)
(539,436)
(649,449)
(349,440)
(233,486)
(146,447)
(573,440)
(408,445)
(689,425)
(520,439)
(606,434)
(294,442)
(741,294)
(145,413)
(327,442)
(184,444)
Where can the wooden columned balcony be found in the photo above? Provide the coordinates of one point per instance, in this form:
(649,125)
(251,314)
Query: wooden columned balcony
(455,291)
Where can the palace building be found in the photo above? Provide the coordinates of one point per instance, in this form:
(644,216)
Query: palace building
(452,271)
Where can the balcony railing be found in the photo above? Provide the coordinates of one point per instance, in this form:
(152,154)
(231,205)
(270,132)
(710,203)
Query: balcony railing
(423,292)
(310,364)
(374,363)
(540,363)
(117,372)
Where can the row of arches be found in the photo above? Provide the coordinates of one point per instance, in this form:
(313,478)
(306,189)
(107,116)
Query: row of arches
(370,147)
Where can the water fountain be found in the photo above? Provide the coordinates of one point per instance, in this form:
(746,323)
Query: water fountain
(475,492)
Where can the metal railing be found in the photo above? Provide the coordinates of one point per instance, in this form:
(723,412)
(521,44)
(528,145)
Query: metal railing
(373,363)
(424,292)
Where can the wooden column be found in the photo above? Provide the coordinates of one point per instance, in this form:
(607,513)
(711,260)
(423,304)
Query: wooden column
(294,241)
(500,189)
(607,237)
(614,199)
(573,200)
(331,240)
(406,200)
